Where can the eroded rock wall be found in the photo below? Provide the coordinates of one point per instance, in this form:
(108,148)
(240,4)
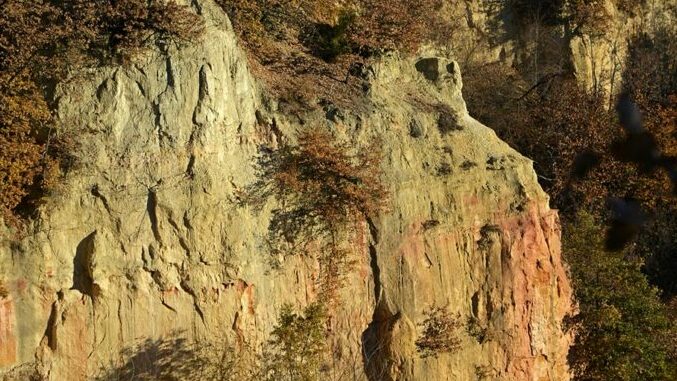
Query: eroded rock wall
(147,240)
(491,32)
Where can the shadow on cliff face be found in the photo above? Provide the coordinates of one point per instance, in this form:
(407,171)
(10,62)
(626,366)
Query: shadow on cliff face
(173,359)
(376,341)
(82,279)
(176,359)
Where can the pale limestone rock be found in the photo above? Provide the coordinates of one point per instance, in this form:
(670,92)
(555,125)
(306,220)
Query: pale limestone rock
(147,239)
(598,59)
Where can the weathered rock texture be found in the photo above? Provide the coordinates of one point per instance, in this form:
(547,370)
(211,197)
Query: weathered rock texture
(599,59)
(147,239)
(490,32)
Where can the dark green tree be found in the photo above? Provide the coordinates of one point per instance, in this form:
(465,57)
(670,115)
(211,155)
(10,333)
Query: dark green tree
(622,331)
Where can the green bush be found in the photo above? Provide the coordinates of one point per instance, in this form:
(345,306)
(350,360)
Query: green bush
(622,331)
(298,346)
(330,41)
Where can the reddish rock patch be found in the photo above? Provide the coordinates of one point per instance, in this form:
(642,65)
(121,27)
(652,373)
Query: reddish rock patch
(8,342)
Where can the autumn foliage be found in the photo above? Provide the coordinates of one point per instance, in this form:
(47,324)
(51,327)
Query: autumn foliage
(320,185)
(622,329)
(326,190)
(308,50)
(40,43)
(439,333)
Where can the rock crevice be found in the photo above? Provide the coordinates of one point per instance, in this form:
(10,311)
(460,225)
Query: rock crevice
(135,259)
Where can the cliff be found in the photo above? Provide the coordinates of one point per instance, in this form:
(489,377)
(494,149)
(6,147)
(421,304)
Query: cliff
(494,32)
(147,245)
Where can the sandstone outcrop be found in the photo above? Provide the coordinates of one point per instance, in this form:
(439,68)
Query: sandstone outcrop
(147,240)
(490,32)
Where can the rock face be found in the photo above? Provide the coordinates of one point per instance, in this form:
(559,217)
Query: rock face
(490,32)
(147,243)
(599,59)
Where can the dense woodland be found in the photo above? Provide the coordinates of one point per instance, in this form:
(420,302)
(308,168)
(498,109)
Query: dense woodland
(305,51)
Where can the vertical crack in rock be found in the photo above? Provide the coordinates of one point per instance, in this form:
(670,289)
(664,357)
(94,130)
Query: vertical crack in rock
(186,221)
(475,303)
(376,343)
(151,209)
(373,262)
(190,167)
(203,84)
(161,133)
(139,85)
(120,321)
(186,288)
(50,331)
(376,271)
(171,82)
(202,96)
(377,337)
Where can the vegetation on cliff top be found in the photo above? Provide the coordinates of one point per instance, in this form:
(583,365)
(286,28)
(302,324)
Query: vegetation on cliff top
(311,50)
(40,43)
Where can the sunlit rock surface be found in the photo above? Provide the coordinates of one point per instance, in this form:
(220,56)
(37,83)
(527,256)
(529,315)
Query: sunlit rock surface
(147,243)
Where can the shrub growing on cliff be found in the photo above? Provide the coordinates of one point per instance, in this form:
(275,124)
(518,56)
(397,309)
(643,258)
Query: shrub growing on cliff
(22,111)
(325,191)
(622,330)
(126,27)
(298,346)
(177,358)
(374,25)
(320,184)
(439,333)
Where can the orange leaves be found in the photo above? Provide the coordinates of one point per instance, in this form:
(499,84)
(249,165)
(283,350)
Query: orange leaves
(325,190)
(126,27)
(589,16)
(320,178)
(21,109)
(399,25)
(40,42)
(310,49)
(348,185)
